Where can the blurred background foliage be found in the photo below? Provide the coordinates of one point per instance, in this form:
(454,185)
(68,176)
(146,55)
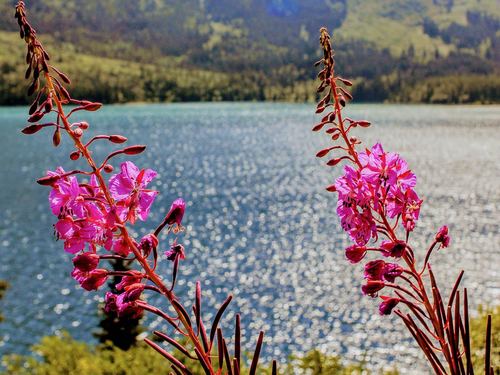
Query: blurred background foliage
(434,51)
(56,355)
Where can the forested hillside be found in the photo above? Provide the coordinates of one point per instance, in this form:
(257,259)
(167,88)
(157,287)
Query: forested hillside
(177,50)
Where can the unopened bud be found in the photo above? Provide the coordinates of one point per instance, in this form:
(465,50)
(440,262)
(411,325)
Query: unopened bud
(78,132)
(108,168)
(74,155)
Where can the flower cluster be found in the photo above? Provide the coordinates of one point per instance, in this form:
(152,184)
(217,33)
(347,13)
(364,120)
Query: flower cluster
(378,207)
(94,212)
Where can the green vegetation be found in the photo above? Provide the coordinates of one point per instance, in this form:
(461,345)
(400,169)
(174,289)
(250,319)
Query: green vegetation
(64,355)
(445,51)
(478,331)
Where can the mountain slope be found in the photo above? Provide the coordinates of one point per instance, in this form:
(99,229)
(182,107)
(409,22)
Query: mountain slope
(275,41)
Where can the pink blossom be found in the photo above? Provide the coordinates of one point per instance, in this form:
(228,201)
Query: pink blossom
(90,280)
(148,243)
(128,188)
(75,233)
(176,250)
(374,270)
(355,253)
(442,237)
(391,271)
(176,212)
(372,287)
(387,305)
(394,249)
(67,196)
(126,302)
(134,277)
(86,262)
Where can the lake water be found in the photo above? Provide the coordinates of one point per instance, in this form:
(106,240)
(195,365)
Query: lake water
(259,223)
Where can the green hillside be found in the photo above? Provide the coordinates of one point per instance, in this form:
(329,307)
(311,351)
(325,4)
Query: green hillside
(177,50)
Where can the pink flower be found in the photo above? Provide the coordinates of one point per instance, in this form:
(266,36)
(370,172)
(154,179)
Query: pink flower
(353,206)
(148,243)
(126,305)
(372,287)
(374,270)
(86,262)
(176,212)
(110,302)
(387,305)
(355,253)
(121,247)
(176,250)
(128,188)
(391,271)
(67,196)
(76,234)
(90,280)
(134,277)
(379,166)
(442,237)
(394,249)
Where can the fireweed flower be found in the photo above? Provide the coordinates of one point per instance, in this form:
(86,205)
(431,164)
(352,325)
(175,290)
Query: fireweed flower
(126,305)
(377,201)
(176,250)
(375,269)
(387,305)
(128,188)
(134,277)
(355,253)
(90,280)
(176,212)
(393,249)
(86,262)
(372,287)
(93,212)
(442,237)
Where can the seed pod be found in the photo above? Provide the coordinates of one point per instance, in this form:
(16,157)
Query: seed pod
(320,109)
(31,129)
(342,101)
(134,150)
(117,138)
(74,155)
(108,168)
(56,138)
(331,188)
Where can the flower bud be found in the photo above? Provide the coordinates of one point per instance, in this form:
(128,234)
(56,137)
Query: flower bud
(78,132)
(108,168)
(117,138)
(176,212)
(134,150)
(74,155)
